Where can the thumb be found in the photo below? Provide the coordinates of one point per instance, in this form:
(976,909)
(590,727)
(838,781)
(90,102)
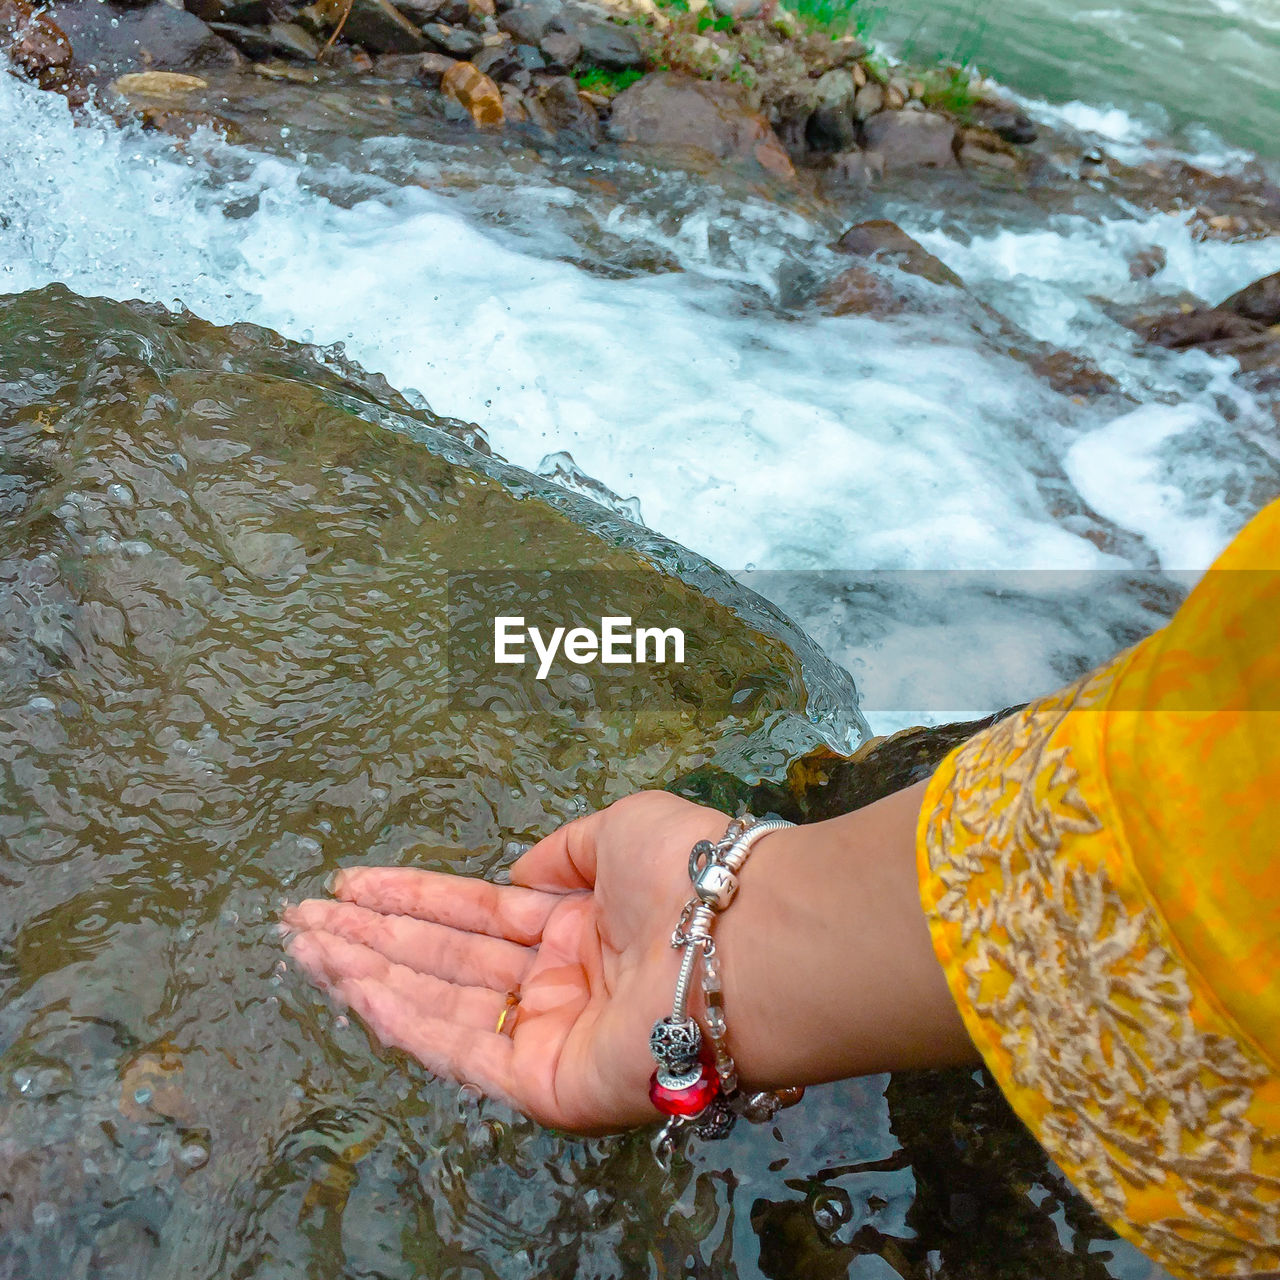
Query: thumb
(564,861)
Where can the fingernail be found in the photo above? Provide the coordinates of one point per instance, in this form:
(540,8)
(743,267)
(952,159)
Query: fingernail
(333,880)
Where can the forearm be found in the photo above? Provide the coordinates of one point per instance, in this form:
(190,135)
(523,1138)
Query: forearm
(828,965)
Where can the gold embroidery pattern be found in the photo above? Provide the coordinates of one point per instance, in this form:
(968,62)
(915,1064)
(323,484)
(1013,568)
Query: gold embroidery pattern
(1144,1109)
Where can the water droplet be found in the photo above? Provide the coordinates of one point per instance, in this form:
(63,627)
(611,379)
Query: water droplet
(44,1214)
(194,1155)
(40,704)
(324,827)
(831,1210)
(308,846)
(142,1096)
(120,494)
(342,1022)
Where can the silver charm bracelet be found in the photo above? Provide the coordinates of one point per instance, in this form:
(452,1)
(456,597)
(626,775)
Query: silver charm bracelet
(695,1082)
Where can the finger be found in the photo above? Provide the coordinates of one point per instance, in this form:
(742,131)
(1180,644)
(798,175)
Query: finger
(461,902)
(473,959)
(564,861)
(446,1048)
(331,961)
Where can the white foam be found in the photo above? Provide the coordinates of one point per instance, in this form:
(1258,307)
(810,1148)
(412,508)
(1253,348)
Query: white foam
(753,436)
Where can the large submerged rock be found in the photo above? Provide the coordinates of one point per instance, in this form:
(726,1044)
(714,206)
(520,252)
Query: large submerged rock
(245,621)
(245,597)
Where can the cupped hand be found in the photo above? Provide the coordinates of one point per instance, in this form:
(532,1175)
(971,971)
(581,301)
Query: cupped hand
(582,934)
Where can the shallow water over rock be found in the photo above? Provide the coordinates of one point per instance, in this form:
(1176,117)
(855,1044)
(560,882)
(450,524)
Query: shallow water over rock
(227,665)
(241,643)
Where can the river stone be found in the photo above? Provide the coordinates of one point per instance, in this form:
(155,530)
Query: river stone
(911,139)
(667,109)
(527,23)
(986,149)
(1201,328)
(561,49)
(33,42)
(109,42)
(1004,118)
(869,101)
(432,68)
(476,93)
(457,42)
(1259,301)
(604,43)
(557,107)
(279,40)
(885,241)
(375,25)
(244,13)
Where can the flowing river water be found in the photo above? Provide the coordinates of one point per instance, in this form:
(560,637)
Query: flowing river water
(954,532)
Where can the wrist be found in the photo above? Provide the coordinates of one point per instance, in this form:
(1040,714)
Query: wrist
(827,961)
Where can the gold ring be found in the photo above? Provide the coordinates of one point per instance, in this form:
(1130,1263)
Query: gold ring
(513,1002)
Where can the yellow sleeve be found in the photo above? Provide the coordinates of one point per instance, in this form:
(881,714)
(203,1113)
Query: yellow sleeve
(1101,874)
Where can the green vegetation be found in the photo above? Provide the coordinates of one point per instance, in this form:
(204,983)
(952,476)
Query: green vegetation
(835,18)
(950,89)
(598,80)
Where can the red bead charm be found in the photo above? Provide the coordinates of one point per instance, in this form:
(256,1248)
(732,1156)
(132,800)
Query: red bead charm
(689,1099)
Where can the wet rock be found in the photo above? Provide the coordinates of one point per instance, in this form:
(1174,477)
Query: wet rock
(911,139)
(1005,119)
(1259,301)
(476,93)
(672,110)
(883,241)
(561,49)
(33,42)
(279,40)
(420,11)
(1073,375)
(1147,262)
(869,101)
(528,23)
(375,25)
(861,291)
(432,68)
(738,9)
(513,105)
(558,107)
(822,54)
(402,67)
(985,149)
(498,62)
(604,43)
(458,42)
(110,42)
(157,84)
(185,124)
(1201,328)
(244,13)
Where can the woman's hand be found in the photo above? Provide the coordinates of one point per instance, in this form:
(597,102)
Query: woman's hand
(582,934)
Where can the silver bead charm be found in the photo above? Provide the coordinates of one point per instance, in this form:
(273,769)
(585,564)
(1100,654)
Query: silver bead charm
(716,1121)
(716,886)
(675,1045)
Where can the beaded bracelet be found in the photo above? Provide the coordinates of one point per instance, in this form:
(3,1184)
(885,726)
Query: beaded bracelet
(695,1082)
